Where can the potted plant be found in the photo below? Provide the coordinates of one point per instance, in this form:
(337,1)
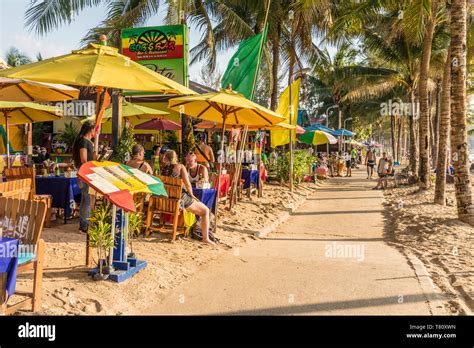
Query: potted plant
(100,237)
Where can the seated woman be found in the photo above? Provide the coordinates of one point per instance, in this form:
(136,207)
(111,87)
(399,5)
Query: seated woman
(172,168)
(138,159)
(196,171)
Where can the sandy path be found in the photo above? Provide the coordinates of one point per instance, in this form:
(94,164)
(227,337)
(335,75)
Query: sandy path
(292,271)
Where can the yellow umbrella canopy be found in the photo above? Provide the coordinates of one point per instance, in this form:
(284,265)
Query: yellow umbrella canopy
(21,90)
(215,125)
(97,65)
(25,112)
(132,110)
(226,107)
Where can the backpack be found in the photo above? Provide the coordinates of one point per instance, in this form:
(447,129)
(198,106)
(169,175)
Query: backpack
(196,233)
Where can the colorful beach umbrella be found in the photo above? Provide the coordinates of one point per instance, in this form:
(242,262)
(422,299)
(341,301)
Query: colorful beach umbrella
(321,127)
(21,90)
(317,138)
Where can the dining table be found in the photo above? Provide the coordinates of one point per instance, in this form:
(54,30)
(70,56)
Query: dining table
(65,192)
(224,185)
(207,197)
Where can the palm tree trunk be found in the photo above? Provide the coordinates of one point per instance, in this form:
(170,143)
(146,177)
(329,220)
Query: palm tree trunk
(432,134)
(424,122)
(399,138)
(275,66)
(462,182)
(413,142)
(444,125)
(436,123)
(392,136)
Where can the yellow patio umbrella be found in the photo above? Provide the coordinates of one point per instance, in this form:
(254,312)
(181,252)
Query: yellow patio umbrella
(225,107)
(25,112)
(97,65)
(25,90)
(131,110)
(215,125)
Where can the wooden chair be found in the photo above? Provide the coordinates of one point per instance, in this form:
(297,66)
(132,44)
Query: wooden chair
(17,173)
(23,220)
(171,205)
(19,189)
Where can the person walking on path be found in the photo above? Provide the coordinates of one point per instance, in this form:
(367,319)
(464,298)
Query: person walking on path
(82,152)
(384,168)
(348,160)
(370,161)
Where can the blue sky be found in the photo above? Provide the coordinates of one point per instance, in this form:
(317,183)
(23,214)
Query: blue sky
(67,38)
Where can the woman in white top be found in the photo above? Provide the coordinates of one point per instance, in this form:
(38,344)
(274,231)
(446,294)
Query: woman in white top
(195,170)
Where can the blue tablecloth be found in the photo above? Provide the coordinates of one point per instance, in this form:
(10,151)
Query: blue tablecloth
(206,196)
(250,177)
(9,262)
(63,190)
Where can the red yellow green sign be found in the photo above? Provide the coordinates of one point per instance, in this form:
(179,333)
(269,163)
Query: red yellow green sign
(163,49)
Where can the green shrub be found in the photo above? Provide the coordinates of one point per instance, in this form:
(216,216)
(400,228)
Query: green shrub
(123,150)
(302,162)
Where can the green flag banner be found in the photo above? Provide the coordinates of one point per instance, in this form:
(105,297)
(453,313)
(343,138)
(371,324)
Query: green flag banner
(244,65)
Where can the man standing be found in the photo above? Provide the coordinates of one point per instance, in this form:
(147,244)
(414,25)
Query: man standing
(204,153)
(370,160)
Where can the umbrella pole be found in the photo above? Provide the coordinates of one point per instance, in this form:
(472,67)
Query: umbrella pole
(238,166)
(7,136)
(224,116)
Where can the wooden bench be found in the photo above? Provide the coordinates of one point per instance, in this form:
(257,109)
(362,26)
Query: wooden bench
(17,173)
(24,221)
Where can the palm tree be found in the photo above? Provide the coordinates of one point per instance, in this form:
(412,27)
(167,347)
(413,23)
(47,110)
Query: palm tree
(424,122)
(16,58)
(462,182)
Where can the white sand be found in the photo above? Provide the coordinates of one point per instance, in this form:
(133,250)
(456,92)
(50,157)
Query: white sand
(68,290)
(435,235)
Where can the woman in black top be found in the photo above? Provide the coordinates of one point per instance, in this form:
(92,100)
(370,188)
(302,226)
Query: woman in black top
(82,152)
